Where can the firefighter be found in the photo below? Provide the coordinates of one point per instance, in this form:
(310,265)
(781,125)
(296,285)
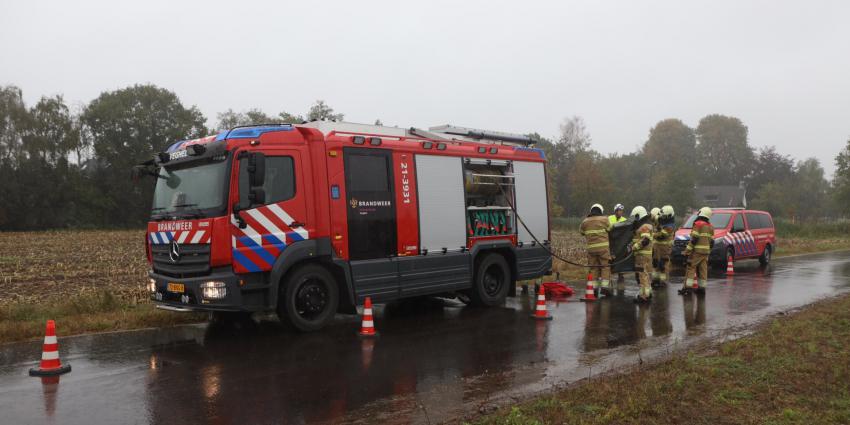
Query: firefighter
(617,217)
(619,210)
(697,251)
(595,229)
(653,214)
(642,249)
(662,247)
(653,219)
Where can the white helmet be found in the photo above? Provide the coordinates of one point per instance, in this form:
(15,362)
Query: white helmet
(654,212)
(619,207)
(638,213)
(667,211)
(705,212)
(595,206)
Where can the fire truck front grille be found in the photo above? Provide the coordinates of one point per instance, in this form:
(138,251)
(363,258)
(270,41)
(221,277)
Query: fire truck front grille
(193,260)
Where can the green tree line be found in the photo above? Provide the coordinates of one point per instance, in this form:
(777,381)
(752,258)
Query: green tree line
(63,166)
(675,158)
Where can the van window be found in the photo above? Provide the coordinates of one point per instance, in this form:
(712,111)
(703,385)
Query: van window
(738,226)
(718,220)
(758,221)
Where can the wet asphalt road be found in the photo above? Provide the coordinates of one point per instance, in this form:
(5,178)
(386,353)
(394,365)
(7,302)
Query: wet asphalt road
(434,360)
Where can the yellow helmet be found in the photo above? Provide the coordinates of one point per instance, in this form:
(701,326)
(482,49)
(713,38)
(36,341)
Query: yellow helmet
(595,206)
(667,211)
(705,212)
(654,212)
(638,213)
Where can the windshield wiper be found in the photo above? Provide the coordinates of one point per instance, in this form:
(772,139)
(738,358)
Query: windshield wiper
(195,211)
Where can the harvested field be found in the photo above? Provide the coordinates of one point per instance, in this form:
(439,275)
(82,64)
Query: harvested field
(36,267)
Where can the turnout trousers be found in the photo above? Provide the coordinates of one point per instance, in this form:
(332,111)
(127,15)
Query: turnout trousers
(697,265)
(603,271)
(643,268)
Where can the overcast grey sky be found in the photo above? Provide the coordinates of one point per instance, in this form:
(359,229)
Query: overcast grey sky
(522,66)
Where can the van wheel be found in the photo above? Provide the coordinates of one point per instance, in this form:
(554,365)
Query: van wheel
(491,281)
(310,298)
(765,255)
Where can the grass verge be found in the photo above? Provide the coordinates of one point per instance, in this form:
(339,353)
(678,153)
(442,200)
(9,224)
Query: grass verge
(793,370)
(82,314)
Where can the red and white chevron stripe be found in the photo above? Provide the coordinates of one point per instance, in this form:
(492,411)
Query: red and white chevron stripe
(181,236)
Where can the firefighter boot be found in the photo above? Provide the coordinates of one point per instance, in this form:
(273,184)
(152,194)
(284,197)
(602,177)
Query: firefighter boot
(644,295)
(686,288)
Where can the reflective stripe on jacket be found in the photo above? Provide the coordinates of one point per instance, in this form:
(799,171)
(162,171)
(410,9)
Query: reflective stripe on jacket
(664,235)
(701,236)
(595,231)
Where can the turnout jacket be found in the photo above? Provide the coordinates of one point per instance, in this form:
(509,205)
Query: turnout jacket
(595,230)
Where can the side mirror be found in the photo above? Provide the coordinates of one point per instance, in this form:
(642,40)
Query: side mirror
(257,196)
(257,168)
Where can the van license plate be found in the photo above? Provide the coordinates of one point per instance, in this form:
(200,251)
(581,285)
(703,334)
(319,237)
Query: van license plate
(176,287)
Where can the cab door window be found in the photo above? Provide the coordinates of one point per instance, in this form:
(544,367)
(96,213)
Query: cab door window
(279,184)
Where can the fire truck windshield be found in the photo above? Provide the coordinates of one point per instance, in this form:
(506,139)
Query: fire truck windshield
(191,191)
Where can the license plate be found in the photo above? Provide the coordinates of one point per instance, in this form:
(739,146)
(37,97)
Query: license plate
(176,287)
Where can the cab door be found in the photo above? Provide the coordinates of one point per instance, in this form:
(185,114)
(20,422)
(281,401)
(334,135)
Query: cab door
(265,230)
(371,217)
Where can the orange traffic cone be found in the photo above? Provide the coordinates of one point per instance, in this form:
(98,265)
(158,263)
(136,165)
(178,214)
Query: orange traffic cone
(589,292)
(367,327)
(730,266)
(695,286)
(50,364)
(540,312)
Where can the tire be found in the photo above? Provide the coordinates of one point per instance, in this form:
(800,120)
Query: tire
(766,255)
(724,263)
(310,298)
(491,281)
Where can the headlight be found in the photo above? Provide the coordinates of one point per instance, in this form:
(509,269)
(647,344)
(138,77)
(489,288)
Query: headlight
(213,290)
(151,285)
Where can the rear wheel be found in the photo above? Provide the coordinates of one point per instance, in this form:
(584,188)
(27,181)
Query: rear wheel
(310,298)
(765,255)
(491,281)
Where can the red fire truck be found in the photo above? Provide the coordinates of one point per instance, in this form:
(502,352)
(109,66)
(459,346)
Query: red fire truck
(310,219)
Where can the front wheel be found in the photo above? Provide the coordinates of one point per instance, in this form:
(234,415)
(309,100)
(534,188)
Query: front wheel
(310,298)
(491,282)
(765,255)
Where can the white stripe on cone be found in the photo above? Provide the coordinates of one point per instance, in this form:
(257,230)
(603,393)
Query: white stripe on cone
(368,324)
(49,355)
(50,339)
(367,311)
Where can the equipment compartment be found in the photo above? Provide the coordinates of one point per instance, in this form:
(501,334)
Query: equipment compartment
(486,183)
